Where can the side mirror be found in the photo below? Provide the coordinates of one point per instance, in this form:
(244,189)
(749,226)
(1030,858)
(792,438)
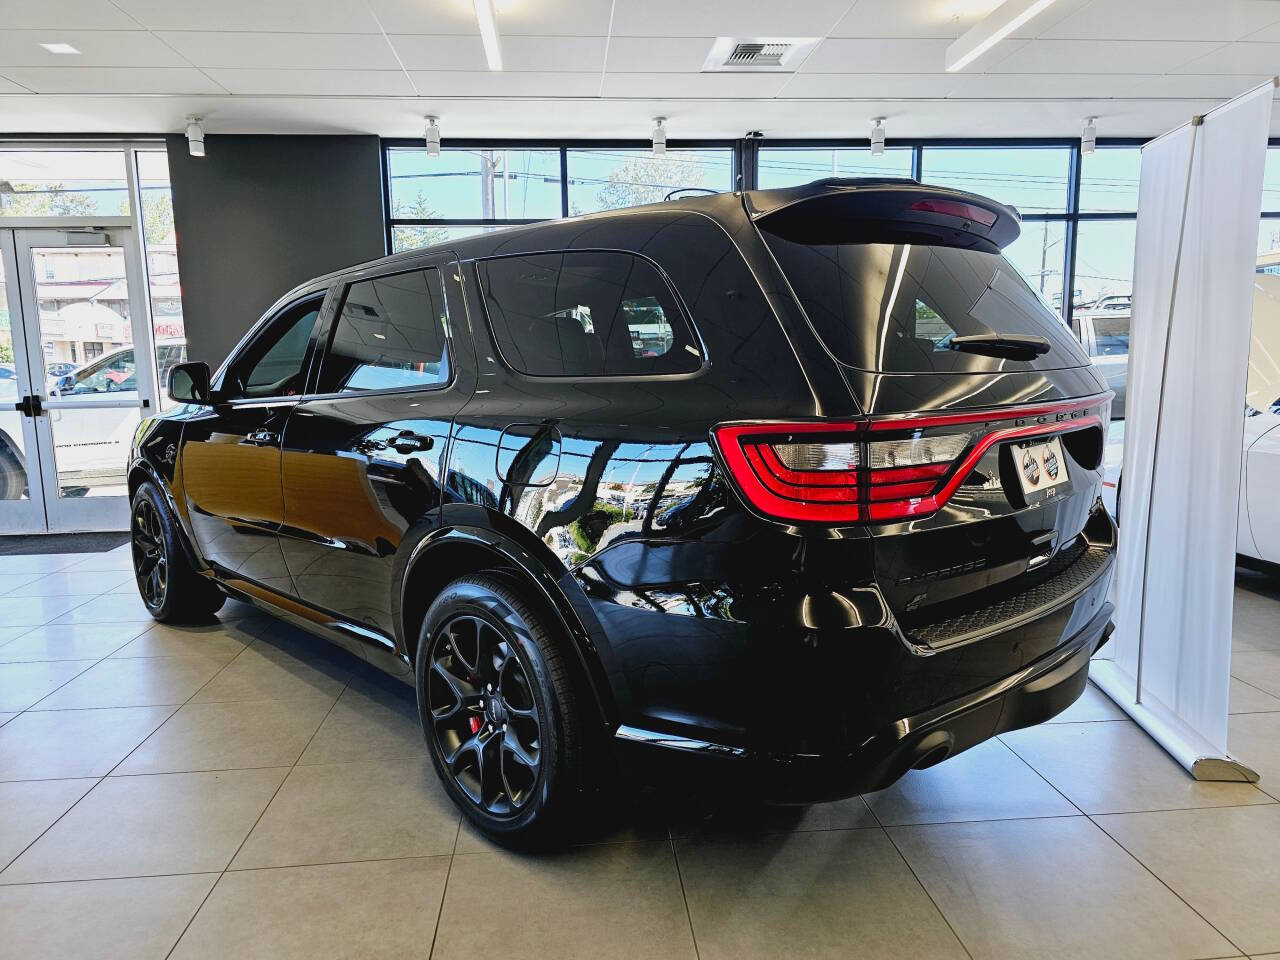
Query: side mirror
(189,383)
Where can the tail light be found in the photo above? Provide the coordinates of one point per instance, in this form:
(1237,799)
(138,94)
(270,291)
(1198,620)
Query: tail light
(871,470)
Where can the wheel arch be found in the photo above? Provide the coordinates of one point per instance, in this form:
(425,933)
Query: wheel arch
(454,551)
(139,473)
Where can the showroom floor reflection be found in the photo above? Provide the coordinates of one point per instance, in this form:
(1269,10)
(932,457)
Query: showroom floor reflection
(240,789)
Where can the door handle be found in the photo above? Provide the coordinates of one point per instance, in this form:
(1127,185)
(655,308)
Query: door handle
(406,441)
(262,438)
(29,406)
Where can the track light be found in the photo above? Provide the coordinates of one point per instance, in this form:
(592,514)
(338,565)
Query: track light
(659,137)
(488,33)
(877,136)
(1089,136)
(195,137)
(432,134)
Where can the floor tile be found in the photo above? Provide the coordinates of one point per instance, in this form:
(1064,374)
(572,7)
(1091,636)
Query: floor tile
(6,717)
(10,582)
(1117,768)
(809,895)
(1245,698)
(223,640)
(137,682)
(370,722)
(1254,624)
(263,672)
(370,911)
(73,743)
(30,807)
(225,736)
(18,611)
(1092,705)
(1255,739)
(108,608)
(99,920)
(1224,863)
(22,684)
(1051,888)
(1259,668)
(105,562)
(69,641)
(9,634)
(146,826)
(614,900)
(37,563)
(369,811)
(724,821)
(988,782)
(74,582)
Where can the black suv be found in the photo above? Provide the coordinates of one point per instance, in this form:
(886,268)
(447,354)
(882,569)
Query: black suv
(784,491)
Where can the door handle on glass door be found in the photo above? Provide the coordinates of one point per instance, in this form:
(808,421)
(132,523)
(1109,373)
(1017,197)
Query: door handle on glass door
(406,441)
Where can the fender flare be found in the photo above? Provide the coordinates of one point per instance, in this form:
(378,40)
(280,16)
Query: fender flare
(470,526)
(148,472)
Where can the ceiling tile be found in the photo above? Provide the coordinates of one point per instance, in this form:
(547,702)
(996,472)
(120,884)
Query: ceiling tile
(726,18)
(658,54)
(1245,57)
(315,83)
(685,85)
(105,80)
(1199,85)
(321,16)
(878,56)
(59,14)
(1097,56)
(548,18)
(8,86)
(874,86)
(98,48)
(542,54)
(489,83)
(1165,20)
(938,18)
(283,51)
(1005,86)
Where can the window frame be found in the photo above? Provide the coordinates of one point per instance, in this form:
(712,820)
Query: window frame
(339,291)
(255,335)
(695,338)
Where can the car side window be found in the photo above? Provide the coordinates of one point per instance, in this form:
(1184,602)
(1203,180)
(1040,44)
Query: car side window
(271,365)
(585,313)
(112,374)
(392,332)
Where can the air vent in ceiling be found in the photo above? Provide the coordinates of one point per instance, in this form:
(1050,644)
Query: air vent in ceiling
(758,54)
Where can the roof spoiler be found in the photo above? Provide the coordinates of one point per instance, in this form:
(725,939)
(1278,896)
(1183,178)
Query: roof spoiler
(884,211)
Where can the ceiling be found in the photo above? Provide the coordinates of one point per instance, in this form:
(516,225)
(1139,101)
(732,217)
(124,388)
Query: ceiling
(604,68)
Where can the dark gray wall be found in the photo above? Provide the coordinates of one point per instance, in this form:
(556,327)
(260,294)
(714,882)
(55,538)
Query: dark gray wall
(260,214)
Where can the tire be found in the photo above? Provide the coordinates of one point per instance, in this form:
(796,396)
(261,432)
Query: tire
(13,478)
(480,744)
(168,584)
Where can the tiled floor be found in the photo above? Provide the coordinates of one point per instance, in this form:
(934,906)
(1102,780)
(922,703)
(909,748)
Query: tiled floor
(240,790)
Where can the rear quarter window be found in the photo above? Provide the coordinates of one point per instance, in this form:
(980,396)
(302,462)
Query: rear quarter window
(895,308)
(586,313)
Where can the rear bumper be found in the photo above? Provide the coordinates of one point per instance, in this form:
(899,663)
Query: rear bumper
(1032,695)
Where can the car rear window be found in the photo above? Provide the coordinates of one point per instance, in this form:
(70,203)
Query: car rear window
(585,313)
(895,308)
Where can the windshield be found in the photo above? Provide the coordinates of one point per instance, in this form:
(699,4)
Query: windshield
(897,307)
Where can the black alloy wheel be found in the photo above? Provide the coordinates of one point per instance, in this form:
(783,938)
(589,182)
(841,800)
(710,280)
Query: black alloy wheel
(484,714)
(150,562)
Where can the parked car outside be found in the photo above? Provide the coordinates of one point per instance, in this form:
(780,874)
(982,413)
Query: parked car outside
(783,493)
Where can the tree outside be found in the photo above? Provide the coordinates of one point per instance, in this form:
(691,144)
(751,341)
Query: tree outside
(644,179)
(43,200)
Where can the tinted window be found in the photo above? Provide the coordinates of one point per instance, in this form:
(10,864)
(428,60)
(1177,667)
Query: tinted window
(896,307)
(271,365)
(390,333)
(585,314)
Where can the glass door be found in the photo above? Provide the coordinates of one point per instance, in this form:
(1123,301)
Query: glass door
(21,503)
(88,346)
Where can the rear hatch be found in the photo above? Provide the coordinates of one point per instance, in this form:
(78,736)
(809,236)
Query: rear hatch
(977,467)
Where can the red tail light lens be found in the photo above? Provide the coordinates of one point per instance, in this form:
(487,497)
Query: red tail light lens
(874,470)
(956,208)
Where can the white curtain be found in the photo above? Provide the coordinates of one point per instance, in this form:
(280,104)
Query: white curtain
(1198,212)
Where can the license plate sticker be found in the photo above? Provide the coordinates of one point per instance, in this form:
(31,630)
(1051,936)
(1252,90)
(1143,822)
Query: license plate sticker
(1041,467)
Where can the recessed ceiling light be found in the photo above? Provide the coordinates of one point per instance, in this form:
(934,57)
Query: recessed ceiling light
(63,48)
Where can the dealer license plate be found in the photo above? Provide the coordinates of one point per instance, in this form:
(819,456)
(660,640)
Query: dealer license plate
(1042,469)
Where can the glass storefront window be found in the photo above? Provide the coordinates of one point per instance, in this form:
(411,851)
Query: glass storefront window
(474,184)
(1271,182)
(790,166)
(1033,179)
(608,179)
(160,243)
(411,237)
(1109,180)
(63,183)
(1103,305)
